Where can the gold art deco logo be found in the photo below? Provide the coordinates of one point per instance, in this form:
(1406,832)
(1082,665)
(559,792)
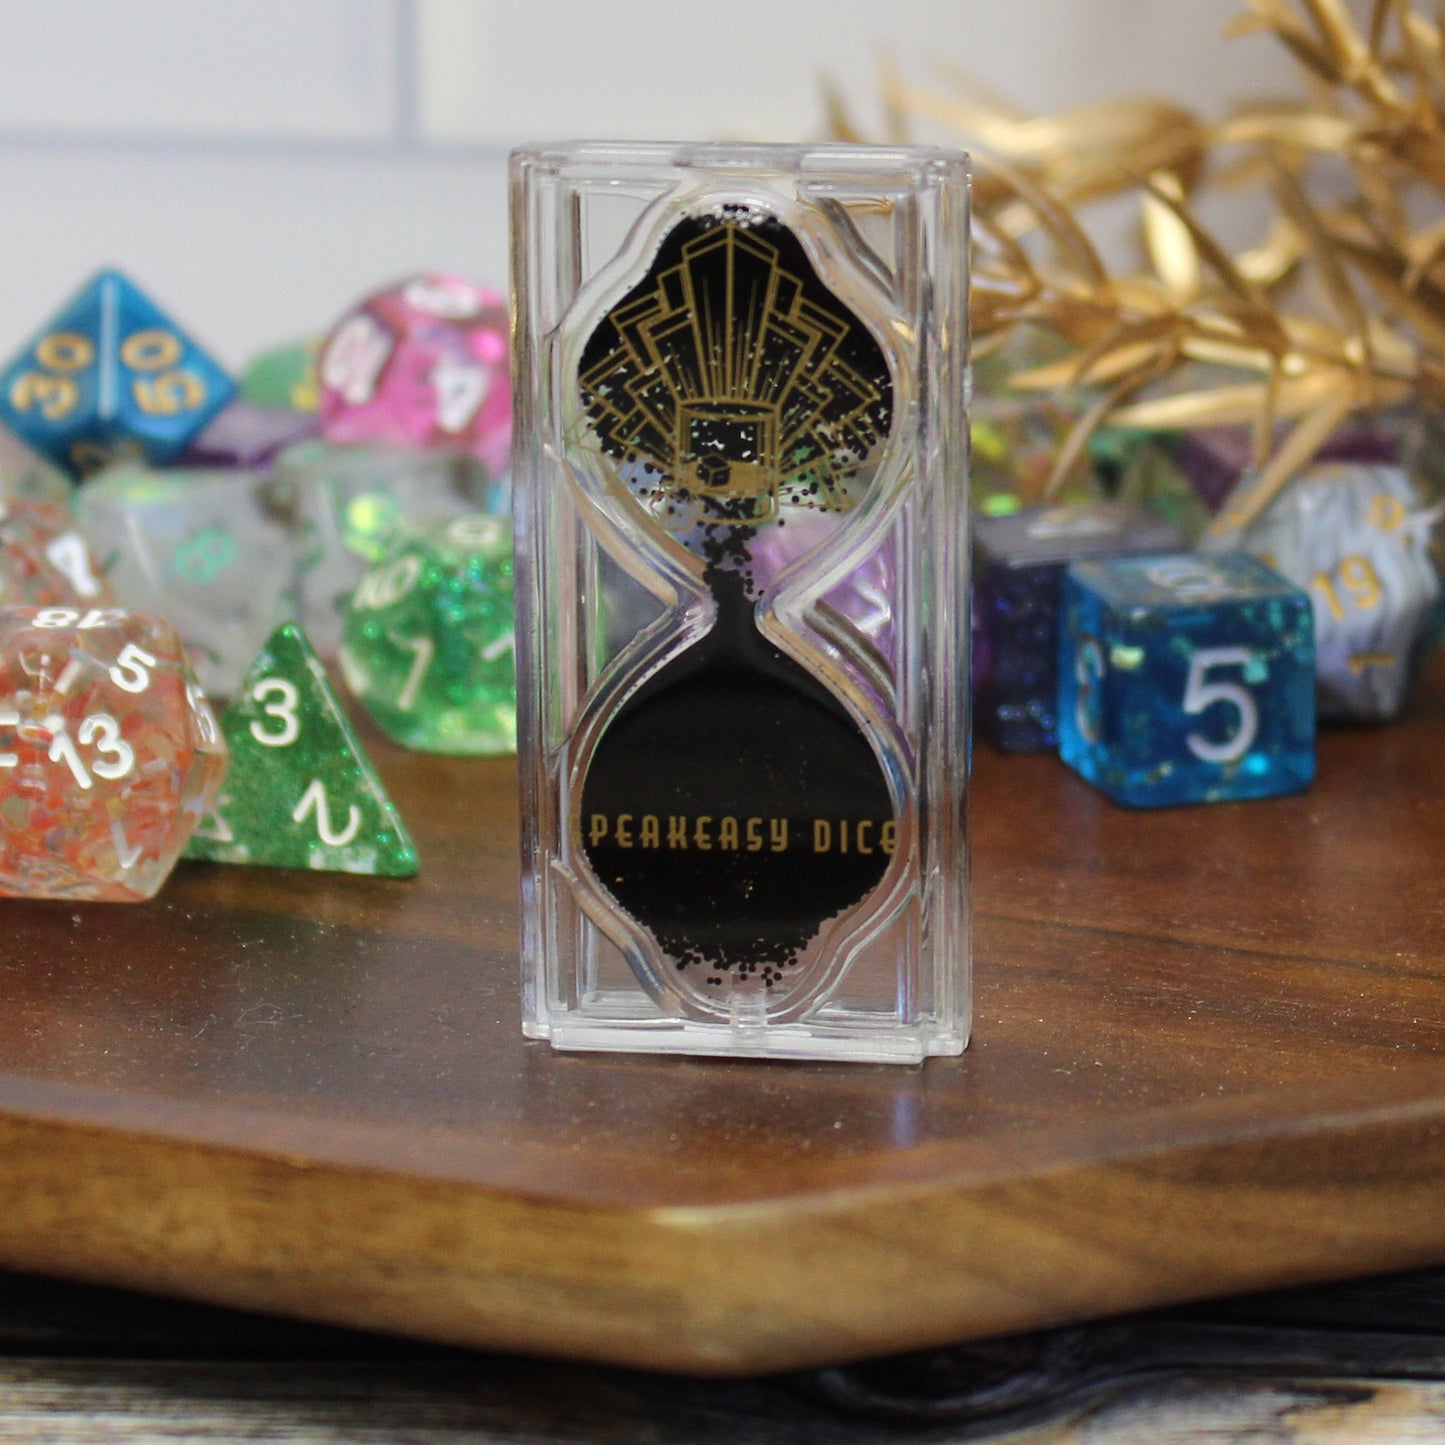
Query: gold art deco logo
(727,379)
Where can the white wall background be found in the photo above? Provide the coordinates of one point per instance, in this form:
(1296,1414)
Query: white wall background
(259,164)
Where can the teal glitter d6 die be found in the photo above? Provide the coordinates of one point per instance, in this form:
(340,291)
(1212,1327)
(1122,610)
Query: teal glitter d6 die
(1186,679)
(427,645)
(110,375)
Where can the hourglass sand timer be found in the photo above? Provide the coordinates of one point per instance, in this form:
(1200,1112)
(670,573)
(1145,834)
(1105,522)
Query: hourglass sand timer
(740,480)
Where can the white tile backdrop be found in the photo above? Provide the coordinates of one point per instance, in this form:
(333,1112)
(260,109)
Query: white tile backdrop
(257,164)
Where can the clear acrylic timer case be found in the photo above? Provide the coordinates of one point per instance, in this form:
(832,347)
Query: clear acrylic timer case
(740,480)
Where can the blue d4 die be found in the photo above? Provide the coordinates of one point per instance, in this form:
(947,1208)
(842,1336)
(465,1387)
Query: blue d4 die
(1019,561)
(110,375)
(1186,679)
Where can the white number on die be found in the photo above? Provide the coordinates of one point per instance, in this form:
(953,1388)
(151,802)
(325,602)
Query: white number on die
(1088,673)
(314,800)
(423,649)
(9,718)
(283,709)
(1065,522)
(354,359)
(1189,579)
(451,299)
(480,530)
(131,672)
(386,586)
(460,389)
(69,556)
(205,718)
(126,854)
(104,732)
(1199,693)
(69,617)
(213,824)
(100,731)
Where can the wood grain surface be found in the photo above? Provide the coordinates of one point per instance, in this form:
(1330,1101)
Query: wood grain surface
(1206,1058)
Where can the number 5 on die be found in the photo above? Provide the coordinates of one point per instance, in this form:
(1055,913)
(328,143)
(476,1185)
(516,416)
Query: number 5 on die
(1201,692)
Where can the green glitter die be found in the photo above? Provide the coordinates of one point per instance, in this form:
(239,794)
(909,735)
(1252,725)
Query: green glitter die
(301,793)
(283,377)
(427,646)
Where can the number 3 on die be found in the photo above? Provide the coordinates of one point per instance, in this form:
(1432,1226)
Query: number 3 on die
(282,709)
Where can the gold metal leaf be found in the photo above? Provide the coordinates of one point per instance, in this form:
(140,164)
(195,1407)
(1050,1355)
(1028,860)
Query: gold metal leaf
(1339,304)
(1168,240)
(1072,450)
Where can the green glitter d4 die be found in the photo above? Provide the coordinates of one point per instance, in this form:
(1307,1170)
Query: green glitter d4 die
(301,793)
(428,641)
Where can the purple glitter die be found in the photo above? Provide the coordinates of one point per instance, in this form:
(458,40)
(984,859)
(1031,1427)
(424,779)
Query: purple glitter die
(1214,459)
(248,436)
(1019,563)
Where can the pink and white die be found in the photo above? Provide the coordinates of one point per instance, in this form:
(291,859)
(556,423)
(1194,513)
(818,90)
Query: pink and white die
(421,364)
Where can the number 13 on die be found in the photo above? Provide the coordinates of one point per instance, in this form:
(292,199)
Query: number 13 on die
(108,753)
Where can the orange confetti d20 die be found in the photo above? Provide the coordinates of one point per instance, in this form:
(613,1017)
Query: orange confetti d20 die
(109,753)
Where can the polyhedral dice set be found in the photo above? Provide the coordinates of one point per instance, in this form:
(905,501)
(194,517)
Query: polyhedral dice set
(351,501)
(1161,696)
(136,486)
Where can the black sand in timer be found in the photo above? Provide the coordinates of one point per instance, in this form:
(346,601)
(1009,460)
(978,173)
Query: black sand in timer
(733,805)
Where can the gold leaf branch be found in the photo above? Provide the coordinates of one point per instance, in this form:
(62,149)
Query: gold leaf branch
(1339,307)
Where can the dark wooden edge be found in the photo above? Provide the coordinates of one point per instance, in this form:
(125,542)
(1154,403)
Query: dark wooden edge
(733,1289)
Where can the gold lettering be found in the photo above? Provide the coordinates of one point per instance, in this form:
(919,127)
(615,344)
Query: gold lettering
(822,835)
(623,831)
(727,834)
(778,834)
(676,831)
(599,829)
(842,835)
(651,835)
(1386,513)
(755,835)
(700,836)
(865,826)
(888,837)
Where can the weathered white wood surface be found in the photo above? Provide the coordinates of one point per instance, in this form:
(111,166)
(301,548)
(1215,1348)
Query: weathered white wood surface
(1247,1412)
(83,1366)
(55,1402)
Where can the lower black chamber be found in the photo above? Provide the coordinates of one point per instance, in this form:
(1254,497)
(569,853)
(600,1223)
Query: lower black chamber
(733,805)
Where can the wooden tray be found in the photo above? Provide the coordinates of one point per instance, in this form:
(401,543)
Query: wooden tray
(1207,1058)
